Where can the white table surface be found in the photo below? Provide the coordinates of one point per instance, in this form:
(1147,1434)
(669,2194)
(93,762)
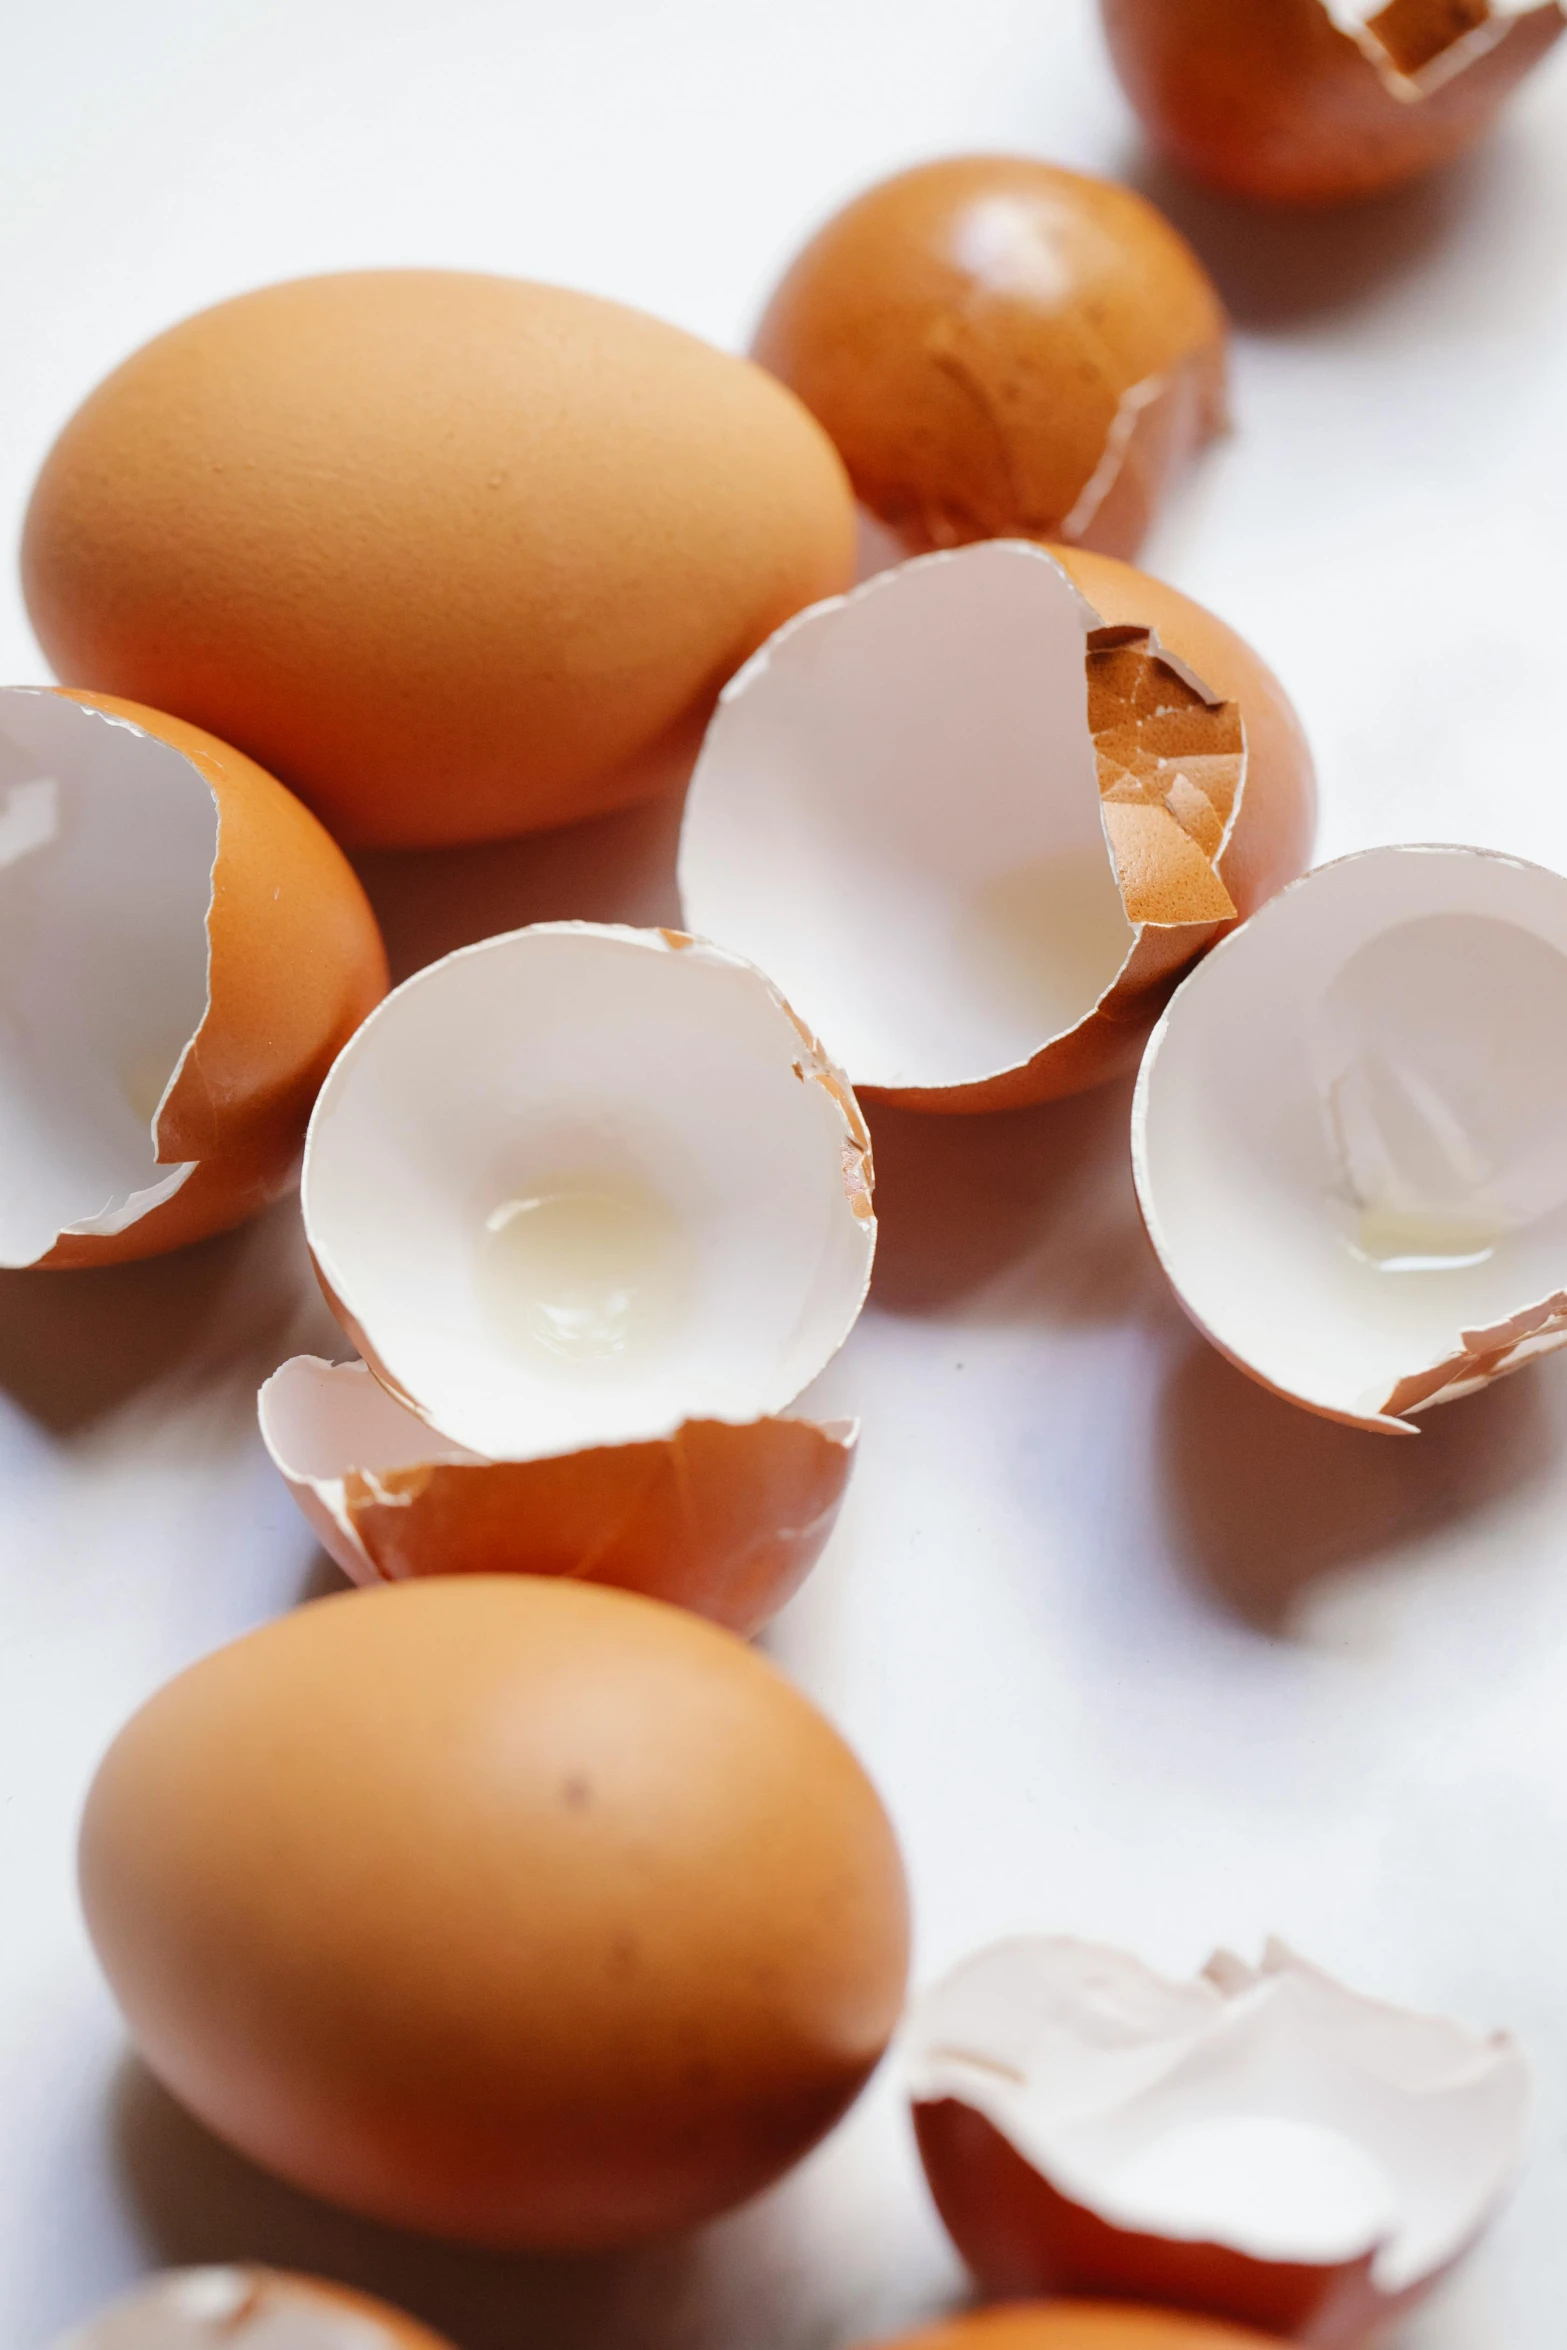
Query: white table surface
(1134,1650)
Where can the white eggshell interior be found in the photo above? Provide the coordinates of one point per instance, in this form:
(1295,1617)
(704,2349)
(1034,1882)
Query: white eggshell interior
(896,815)
(1357,17)
(211,2308)
(321,1421)
(616,1059)
(1376,1055)
(107,844)
(1269,2110)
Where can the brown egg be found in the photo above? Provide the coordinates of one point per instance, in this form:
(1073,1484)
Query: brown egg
(1078,2325)
(451,554)
(1272,99)
(1001,349)
(516,1911)
(217,952)
(233,2308)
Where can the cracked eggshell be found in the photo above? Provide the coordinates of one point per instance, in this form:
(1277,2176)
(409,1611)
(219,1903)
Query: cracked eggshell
(454,555)
(1259,2144)
(247,2309)
(976,815)
(183,951)
(580,1184)
(520,1912)
(1002,349)
(1350,1133)
(727,1521)
(1322,101)
(1079,2325)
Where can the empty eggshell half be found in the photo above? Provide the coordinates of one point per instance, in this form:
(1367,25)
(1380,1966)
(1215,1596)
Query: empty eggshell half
(595,1209)
(247,2309)
(974,832)
(1350,1133)
(727,1521)
(1002,349)
(1259,2143)
(183,950)
(1321,101)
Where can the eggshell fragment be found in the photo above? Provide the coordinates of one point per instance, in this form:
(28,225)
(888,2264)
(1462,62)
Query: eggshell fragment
(183,950)
(1320,101)
(1078,2325)
(1002,349)
(454,555)
(1350,1133)
(974,824)
(250,2309)
(1260,2144)
(727,1521)
(518,1911)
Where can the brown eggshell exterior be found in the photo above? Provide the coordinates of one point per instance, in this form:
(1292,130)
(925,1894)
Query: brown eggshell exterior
(516,1911)
(1019,2235)
(1079,2325)
(966,408)
(295,962)
(725,1520)
(1269,846)
(277,2296)
(448,553)
(1268,99)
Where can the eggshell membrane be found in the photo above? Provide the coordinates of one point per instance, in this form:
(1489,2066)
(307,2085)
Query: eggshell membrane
(901,806)
(521,1912)
(727,1521)
(1380,1044)
(1002,349)
(1282,105)
(237,953)
(1078,2325)
(247,2309)
(596,1050)
(1369,2146)
(451,554)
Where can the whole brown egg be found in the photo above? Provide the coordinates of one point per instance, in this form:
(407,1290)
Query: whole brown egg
(1001,349)
(1279,101)
(1080,2325)
(518,1911)
(454,556)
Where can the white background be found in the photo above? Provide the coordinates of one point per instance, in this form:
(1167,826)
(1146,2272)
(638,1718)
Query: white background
(1134,1650)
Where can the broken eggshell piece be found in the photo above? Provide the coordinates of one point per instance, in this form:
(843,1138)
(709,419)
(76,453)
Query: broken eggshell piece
(973,831)
(1002,349)
(595,1209)
(1259,2143)
(247,2309)
(1350,1133)
(1320,102)
(182,952)
(727,1521)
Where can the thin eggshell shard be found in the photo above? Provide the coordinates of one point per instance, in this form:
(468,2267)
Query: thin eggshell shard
(182,952)
(247,2309)
(1417,45)
(966,829)
(724,1520)
(578,1185)
(1350,1133)
(1260,2143)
